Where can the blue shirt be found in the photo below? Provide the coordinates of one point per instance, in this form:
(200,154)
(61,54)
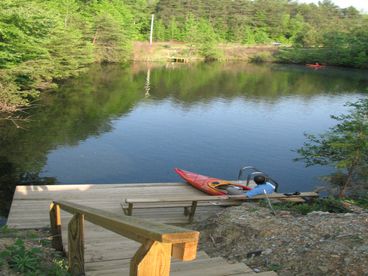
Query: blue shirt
(262,189)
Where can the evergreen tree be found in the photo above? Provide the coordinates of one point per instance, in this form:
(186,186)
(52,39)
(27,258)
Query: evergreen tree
(207,41)
(191,30)
(248,37)
(174,33)
(112,28)
(159,31)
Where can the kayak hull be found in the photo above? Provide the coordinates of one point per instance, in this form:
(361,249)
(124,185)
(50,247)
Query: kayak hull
(209,185)
(316,66)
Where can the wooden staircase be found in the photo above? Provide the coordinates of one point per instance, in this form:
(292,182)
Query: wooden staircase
(157,250)
(203,265)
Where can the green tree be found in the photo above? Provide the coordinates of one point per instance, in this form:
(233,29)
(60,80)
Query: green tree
(248,37)
(173,30)
(22,31)
(159,31)
(10,96)
(112,27)
(141,20)
(344,146)
(296,25)
(67,9)
(45,41)
(207,41)
(191,30)
(261,36)
(306,37)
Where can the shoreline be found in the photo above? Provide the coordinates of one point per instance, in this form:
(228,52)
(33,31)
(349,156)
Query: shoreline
(169,50)
(318,242)
(164,52)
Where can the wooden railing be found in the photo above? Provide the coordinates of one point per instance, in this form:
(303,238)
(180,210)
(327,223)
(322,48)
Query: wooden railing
(158,241)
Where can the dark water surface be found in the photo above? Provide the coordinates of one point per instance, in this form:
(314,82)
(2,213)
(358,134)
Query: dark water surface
(135,124)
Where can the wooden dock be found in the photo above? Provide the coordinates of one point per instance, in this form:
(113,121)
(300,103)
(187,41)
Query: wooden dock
(107,253)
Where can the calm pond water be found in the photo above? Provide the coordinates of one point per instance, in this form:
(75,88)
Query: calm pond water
(135,124)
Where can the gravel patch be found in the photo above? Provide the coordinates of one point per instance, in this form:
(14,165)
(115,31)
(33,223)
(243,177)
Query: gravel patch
(319,243)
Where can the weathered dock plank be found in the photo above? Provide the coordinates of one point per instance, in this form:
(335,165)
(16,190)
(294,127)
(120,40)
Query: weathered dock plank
(31,203)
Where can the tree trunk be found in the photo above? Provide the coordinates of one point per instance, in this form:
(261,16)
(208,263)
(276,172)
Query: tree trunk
(94,38)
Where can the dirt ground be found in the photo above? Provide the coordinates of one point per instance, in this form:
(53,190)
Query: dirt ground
(319,243)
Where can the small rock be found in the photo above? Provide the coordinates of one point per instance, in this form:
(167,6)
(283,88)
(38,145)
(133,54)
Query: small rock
(347,260)
(284,213)
(254,253)
(324,269)
(348,214)
(318,213)
(363,248)
(268,251)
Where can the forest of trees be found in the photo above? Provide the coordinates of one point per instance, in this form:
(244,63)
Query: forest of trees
(260,21)
(42,41)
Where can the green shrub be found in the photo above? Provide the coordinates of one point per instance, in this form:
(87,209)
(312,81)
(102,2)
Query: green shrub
(360,200)
(21,259)
(330,204)
(32,261)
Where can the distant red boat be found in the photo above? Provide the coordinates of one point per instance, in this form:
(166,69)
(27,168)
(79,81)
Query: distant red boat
(207,184)
(316,66)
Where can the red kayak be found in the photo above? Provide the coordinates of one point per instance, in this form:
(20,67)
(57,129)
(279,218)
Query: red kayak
(209,185)
(316,66)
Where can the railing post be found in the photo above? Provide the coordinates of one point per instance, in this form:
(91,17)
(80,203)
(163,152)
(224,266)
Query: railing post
(152,258)
(55,223)
(185,251)
(76,245)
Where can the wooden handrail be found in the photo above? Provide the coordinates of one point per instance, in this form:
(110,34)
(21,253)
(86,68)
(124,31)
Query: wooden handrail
(159,241)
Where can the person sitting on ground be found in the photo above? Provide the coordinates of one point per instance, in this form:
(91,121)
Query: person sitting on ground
(263,187)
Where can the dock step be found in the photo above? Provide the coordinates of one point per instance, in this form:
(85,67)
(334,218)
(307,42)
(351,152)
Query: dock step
(202,266)
(122,263)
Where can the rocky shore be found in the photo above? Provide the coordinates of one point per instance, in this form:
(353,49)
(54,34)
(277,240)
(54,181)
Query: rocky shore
(319,243)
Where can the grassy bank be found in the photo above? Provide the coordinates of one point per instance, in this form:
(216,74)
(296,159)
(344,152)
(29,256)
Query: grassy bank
(186,52)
